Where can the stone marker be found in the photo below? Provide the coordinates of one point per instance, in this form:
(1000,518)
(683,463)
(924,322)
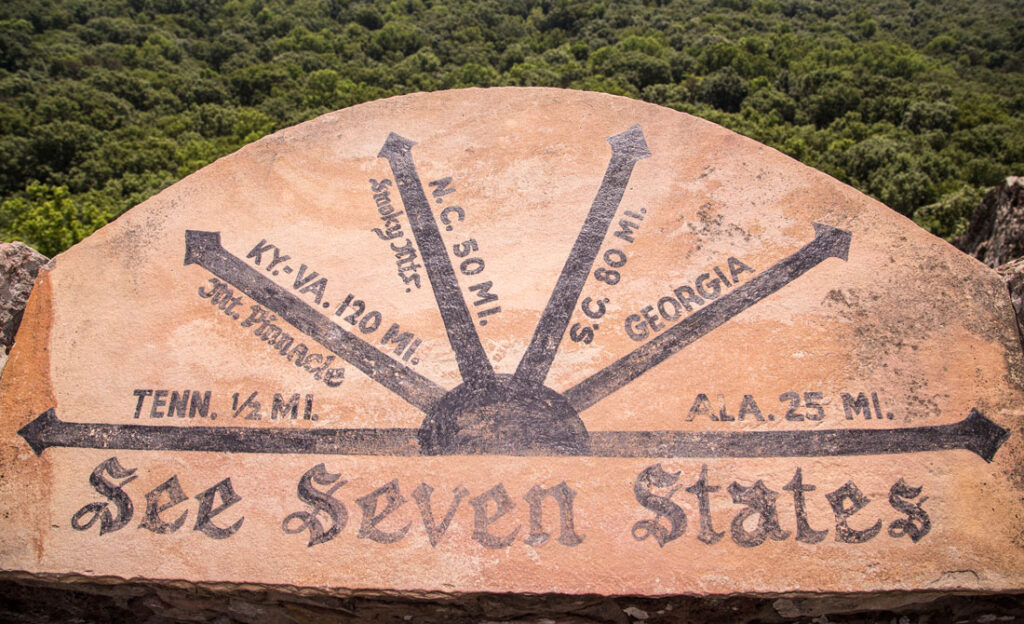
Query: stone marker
(516,340)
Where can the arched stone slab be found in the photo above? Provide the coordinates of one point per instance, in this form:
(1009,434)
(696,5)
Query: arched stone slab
(516,340)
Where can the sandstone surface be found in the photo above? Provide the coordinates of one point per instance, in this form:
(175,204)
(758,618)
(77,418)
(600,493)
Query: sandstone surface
(515,340)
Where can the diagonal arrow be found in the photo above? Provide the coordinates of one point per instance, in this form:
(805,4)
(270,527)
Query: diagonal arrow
(829,242)
(474,365)
(204,249)
(976,433)
(628,148)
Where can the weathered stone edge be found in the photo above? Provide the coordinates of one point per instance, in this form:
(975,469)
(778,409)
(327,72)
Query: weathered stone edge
(243,602)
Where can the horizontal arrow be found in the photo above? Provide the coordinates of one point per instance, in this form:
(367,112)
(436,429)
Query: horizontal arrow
(976,433)
(48,430)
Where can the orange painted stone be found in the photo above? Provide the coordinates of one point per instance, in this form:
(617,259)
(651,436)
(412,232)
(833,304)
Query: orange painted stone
(516,340)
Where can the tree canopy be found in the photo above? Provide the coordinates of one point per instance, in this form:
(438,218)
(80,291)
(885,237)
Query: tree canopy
(105,102)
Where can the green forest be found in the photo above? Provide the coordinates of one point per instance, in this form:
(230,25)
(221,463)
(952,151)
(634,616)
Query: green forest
(106,102)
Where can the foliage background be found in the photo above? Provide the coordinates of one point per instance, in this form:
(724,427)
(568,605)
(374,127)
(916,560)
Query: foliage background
(105,102)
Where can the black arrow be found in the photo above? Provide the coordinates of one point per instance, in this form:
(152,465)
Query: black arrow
(976,433)
(204,249)
(628,148)
(829,242)
(474,365)
(48,430)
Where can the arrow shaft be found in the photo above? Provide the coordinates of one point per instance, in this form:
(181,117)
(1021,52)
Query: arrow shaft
(828,243)
(204,249)
(474,365)
(540,353)
(391,442)
(836,442)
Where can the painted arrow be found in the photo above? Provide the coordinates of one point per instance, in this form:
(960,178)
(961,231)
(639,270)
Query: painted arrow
(976,434)
(47,430)
(205,249)
(474,365)
(628,148)
(829,242)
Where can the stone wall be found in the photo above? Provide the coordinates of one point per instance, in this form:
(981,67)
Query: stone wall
(39,602)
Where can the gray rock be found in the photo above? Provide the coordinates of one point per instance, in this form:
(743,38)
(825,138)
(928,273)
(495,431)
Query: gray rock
(1013,274)
(19,265)
(996,233)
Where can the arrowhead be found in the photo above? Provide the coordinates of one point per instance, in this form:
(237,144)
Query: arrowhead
(982,436)
(837,241)
(395,145)
(630,143)
(197,243)
(35,432)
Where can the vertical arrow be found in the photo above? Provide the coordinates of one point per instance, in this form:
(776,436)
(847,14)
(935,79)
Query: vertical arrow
(474,365)
(829,242)
(628,148)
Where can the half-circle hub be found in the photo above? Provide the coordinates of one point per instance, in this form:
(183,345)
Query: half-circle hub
(503,417)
